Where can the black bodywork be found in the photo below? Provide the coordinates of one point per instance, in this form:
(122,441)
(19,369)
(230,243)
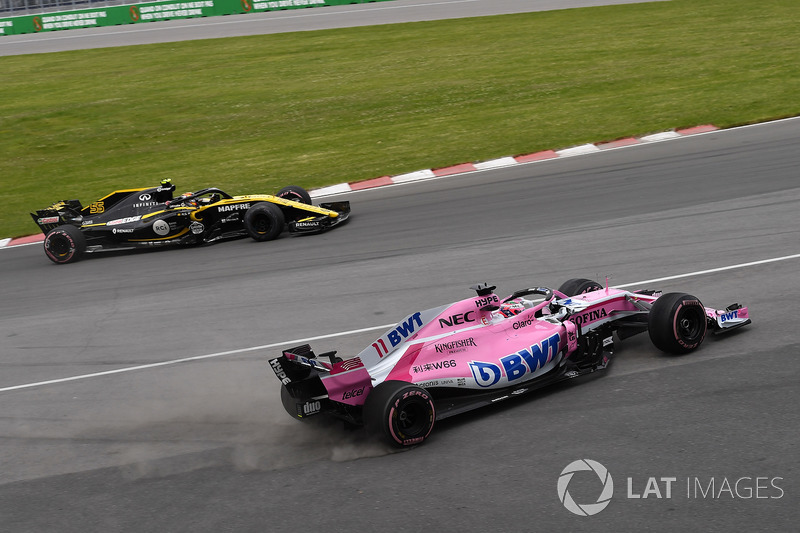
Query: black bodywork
(153,217)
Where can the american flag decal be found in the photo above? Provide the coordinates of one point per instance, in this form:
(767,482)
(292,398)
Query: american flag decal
(350,364)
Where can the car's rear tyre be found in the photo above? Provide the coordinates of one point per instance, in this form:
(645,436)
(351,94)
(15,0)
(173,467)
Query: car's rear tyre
(289,404)
(295,193)
(399,413)
(677,323)
(576,286)
(64,244)
(264,221)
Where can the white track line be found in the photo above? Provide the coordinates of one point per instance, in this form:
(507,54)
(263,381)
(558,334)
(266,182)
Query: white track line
(356,331)
(194,358)
(711,270)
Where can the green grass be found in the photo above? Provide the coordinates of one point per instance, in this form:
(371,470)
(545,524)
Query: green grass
(252,114)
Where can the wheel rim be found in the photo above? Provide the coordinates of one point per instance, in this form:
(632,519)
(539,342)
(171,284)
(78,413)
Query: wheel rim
(59,246)
(412,419)
(690,324)
(261,225)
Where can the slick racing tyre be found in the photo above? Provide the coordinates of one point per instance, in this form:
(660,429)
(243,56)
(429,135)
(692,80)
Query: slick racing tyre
(295,194)
(399,413)
(290,405)
(64,244)
(677,323)
(264,221)
(576,286)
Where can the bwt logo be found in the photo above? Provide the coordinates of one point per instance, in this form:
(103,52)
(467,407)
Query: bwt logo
(398,334)
(517,364)
(586,509)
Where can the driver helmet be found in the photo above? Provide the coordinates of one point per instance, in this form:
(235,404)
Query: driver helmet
(511,308)
(192,202)
(208,200)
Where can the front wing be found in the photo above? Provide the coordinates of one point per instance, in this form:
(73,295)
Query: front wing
(339,214)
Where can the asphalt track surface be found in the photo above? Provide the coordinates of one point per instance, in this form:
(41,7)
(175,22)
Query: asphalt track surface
(370,14)
(204,445)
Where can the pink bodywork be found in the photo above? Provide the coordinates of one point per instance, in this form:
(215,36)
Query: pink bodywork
(469,344)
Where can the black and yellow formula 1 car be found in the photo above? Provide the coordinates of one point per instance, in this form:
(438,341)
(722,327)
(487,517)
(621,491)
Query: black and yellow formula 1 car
(153,217)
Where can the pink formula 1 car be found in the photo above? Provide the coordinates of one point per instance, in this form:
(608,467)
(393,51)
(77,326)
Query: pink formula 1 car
(444,361)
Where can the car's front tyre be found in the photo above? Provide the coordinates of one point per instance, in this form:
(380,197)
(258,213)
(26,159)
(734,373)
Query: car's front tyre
(399,413)
(64,244)
(264,221)
(677,323)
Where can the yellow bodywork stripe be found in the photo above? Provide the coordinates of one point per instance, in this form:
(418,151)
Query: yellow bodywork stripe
(119,191)
(279,201)
(255,198)
(148,215)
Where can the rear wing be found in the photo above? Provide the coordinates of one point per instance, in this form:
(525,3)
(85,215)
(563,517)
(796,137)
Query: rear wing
(63,212)
(299,371)
(298,363)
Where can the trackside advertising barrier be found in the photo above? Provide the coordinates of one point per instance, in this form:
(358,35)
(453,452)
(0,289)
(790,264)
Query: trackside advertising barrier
(152,11)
